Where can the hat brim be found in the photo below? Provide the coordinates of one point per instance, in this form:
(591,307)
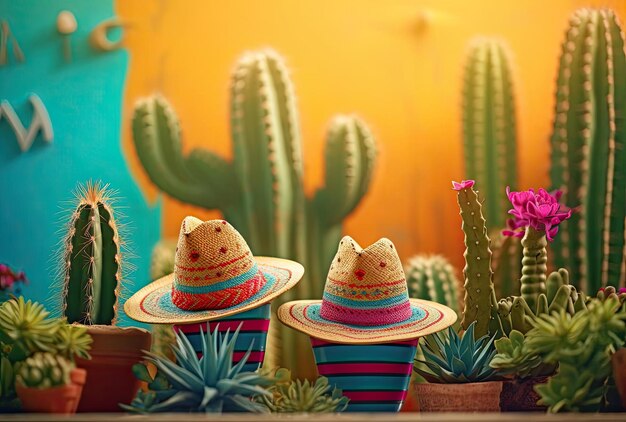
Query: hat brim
(427,318)
(153,303)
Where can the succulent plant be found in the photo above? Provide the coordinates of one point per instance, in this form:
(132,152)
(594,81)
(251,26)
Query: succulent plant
(261,190)
(297,396)
(587,149)
(452,358)
(581,345)
(209,384)
(44,370)
(73,341)
(514,359)
(90,268)
(433,278)
(489,130)
(8,398)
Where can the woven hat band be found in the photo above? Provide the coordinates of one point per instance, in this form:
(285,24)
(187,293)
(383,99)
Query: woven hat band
(372,313)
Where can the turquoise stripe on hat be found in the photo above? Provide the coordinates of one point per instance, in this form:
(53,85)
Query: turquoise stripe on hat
(365,304)
(225,284)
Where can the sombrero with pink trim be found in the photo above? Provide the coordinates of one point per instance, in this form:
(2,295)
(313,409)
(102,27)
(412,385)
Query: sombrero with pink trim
(215,276)
(366,301)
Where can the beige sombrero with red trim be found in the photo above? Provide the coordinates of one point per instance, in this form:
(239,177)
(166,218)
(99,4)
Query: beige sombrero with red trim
(366,301)
(215,275)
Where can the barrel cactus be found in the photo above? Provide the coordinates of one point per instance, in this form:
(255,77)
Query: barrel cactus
(489,130)
(260,191)
(432,277)
(90,271)
(44,370)
(588,149)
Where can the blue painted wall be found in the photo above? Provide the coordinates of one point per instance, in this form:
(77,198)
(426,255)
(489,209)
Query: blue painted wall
(84,100)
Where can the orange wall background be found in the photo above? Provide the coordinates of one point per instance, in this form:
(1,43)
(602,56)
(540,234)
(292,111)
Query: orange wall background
(398,64)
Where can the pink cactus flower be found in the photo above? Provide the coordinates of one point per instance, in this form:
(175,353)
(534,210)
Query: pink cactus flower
(8,278)
(463,185)
(540,210)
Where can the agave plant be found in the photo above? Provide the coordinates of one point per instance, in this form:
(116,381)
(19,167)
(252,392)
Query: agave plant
(451,358)
(210,384)
(289,396)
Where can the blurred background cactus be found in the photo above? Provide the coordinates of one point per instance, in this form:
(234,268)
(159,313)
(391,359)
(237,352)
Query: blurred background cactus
(506,263)
(261,191)
(432,277)
(90,269)
(489,128)
(588,149)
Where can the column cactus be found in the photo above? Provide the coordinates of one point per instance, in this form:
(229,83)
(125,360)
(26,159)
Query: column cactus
(91,259)
(432,277)
(489,128)
(588,150)
(506,263)
(261,190)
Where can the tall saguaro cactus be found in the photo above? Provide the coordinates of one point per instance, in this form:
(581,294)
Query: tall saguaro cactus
(489,132)
(589,149)
(261,192)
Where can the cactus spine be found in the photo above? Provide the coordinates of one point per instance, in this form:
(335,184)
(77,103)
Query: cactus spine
(489,132)
(261,191)
(588,149)
(433,278)
(91,267)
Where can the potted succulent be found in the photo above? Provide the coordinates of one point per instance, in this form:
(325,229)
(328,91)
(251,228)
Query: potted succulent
(91,273)
(48,383)
(459,378)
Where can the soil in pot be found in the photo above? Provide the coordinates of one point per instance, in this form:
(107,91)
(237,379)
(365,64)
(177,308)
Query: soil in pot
(61,400)
(469,397)
(110,379)
(520,395)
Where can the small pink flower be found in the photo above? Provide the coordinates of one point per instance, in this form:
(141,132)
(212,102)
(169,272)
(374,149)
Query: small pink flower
(463,185)
(540,211)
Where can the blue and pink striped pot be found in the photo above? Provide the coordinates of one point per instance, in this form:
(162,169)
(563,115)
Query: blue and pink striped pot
(253,331)
(375,377)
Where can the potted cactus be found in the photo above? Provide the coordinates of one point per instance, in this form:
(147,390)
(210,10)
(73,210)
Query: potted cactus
(91,273)
(48,383)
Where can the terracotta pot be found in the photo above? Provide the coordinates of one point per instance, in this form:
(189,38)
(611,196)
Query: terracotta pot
(520,395)
(110,379)
(62,400)
(375,377)
(253,332)
(468,397)
(619,373)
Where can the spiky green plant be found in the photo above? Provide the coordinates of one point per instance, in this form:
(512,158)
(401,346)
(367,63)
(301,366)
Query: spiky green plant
(581,345)
(297,396)
(73,341)
(90,269)
(260,192)
(432,277)
(44,370)
(452,358)
(210,384)
(489,129)
(588,147)
(506,263)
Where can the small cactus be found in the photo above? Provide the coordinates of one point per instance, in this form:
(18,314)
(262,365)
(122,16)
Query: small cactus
(433,278)
(44,370)
(91,259)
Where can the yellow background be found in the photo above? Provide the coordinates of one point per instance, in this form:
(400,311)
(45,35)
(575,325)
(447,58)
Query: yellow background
(398,64)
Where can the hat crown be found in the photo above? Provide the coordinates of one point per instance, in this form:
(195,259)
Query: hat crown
(366,286)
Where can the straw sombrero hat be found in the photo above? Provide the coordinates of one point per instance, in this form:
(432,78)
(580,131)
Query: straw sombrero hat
(215,275)
(366,301)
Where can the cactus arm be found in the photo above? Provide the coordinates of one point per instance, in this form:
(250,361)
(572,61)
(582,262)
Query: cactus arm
(105,299)
(534,266)
(479,290)
(156,135)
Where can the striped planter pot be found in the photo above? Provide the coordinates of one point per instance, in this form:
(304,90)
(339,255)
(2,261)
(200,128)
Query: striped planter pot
(375,377)
(253,331)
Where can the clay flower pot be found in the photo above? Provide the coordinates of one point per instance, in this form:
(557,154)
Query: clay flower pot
(62,400)
(520,395)
(375,377)
(467,397)
(110,379)
(619,373)
(253,332)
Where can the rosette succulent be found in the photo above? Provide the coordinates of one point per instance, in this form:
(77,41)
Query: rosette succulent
(515,359)
(44,370)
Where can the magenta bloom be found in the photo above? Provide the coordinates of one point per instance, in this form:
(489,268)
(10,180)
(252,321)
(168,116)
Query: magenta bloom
(8,278)
(540,210)
(463,185)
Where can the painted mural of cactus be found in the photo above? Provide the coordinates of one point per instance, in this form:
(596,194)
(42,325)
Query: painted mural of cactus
(432,277)
(489,129)
(261,190)
(506,263)
(588,149)
(91,259)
